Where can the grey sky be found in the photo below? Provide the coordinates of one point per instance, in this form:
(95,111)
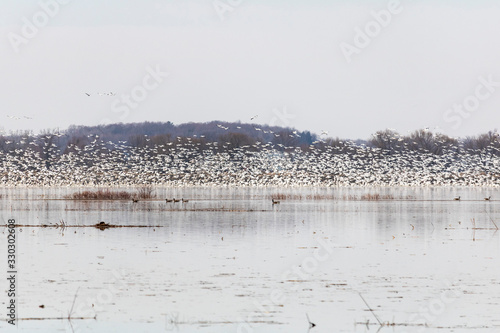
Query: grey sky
(263,58)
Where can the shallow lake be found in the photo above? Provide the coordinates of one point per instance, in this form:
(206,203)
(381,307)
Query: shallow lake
(231,261)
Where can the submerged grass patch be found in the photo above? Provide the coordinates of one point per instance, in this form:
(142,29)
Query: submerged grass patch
(350,197)
(144,192)
(283,196)
(376,197)
(100,195)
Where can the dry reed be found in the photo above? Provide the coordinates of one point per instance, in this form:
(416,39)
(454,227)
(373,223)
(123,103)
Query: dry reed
(376,197)
(100,195)
(145,192)
(364,197)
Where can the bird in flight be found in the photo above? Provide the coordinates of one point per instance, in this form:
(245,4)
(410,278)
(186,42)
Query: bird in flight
(254,117)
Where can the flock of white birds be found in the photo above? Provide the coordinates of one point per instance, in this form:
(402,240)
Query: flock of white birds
(185,162)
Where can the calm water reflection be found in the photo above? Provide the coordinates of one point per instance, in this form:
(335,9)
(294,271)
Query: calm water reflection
(230,261)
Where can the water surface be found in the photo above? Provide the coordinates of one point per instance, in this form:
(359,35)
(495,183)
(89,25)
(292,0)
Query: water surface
(230,261)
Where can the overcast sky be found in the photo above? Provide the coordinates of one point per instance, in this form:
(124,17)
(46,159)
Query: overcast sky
(304,64)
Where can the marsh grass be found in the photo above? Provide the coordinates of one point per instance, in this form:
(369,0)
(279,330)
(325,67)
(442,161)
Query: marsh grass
(100,194)
(376,197)
(144,192)
(282,196)
(320,197)
(364,197)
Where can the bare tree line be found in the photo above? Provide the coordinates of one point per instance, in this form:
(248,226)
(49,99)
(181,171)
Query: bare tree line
(162,137)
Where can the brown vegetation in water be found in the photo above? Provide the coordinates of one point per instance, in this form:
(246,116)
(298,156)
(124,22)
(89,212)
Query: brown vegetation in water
(364,197)
(320,197)
(282,196)
(376,197)
(100,195)
(144,192)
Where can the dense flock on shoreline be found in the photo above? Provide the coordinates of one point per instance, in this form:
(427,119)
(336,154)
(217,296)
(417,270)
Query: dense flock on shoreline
(388,160)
